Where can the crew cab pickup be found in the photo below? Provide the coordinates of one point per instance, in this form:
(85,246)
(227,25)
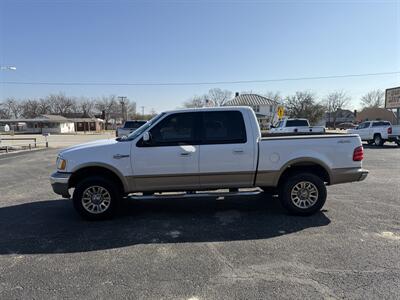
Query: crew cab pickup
(377,132)
(129,127)
(202,150)
(295,125)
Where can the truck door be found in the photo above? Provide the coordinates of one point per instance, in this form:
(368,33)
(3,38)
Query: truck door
(227,150)
(170,160)
(364,131)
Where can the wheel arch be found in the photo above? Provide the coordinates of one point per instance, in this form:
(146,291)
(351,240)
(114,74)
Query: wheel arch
(98,169)
(305,164)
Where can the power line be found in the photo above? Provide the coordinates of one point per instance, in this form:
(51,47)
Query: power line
(197,83)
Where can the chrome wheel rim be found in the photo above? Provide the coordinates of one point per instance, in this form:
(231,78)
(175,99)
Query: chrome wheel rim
(96,199)
(377,140)
(304,194)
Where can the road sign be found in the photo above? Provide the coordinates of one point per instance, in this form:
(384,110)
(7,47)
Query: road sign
(392,98)
(281,111)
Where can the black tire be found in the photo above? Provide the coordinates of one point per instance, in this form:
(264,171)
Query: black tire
(112,193)
(378,140)
(315,201)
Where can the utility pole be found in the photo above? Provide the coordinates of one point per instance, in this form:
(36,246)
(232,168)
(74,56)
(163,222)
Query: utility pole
(122,101)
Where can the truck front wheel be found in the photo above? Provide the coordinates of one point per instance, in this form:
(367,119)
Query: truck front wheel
(303,194)
(96,198)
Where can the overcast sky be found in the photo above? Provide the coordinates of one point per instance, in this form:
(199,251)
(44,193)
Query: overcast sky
(197,41)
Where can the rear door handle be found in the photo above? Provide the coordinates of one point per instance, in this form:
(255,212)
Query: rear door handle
(185,153)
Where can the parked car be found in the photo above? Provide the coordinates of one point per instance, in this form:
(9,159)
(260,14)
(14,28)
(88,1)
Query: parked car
(129,127)
(207,149)
(295,125)
(377,132)
(346,125)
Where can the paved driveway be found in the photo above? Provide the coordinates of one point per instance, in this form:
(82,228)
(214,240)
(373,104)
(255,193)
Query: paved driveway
(243,247)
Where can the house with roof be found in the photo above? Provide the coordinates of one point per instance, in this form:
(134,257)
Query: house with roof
(339,116)
(55,124)
(264,108)
(41,124)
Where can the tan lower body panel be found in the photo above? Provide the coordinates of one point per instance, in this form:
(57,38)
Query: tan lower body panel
(195,181)
(267,178)
(344,175)
(164,182)
(226,180)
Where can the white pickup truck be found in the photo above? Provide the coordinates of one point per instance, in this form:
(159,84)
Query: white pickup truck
(377,132)
(295,125)
(128,128)
(206,149)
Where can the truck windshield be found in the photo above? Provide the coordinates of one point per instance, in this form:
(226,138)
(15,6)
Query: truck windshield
(142,128)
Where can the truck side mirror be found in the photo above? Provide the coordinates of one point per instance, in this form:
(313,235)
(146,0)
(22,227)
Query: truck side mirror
(147,137)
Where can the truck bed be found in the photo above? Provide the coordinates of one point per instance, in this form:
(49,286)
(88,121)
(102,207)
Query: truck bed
(267,135)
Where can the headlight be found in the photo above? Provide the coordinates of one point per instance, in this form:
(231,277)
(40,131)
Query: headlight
(61,163)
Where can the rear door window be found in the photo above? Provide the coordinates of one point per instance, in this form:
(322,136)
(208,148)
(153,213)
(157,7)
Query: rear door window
(223,127)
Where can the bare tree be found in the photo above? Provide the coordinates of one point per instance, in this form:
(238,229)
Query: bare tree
(196,102)
(4,112)
(44,106)
(30,108)
(108,106)
(218,96)
(61,104)
(86,106)
(12,108)
(335,102)
(374,98)
(276,96)
(304,105)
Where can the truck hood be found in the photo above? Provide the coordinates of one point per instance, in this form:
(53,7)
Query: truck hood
(88,145)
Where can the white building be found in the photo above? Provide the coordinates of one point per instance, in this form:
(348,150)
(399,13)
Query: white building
(42,124)
(264,108)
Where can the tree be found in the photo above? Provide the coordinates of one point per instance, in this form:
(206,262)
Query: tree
(195,102)
(218,96)
(374,98)
(4,113)
(60,104)
(335,102)
(276,96)
(304,105)
(30,108)
(108,106)
(86,106)
(12,108)
(44,106)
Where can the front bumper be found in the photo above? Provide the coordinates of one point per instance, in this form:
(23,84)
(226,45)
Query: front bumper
(348,175)
(59,183)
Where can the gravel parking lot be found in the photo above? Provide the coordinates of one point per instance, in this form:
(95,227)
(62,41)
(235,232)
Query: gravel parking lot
(243,247)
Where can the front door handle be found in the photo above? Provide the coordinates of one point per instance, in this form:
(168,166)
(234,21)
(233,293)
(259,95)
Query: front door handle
(185,153)
(119,156)
(238,151)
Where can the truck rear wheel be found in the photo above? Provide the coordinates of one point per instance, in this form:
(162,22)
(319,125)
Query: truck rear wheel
(378,140)
(96,198)
(303,194)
